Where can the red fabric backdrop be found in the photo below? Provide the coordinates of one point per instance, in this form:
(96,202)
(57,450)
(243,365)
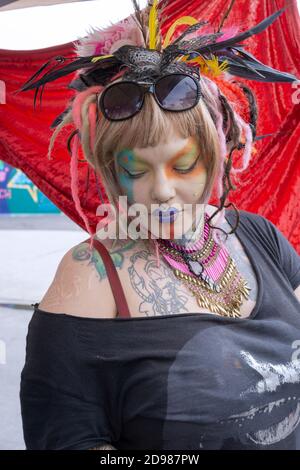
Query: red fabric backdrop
(271,184)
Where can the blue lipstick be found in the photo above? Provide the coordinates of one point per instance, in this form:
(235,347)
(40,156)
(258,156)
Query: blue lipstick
(166,216)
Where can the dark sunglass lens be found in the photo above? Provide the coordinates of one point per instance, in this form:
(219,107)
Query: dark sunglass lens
(176,92)
(122,100)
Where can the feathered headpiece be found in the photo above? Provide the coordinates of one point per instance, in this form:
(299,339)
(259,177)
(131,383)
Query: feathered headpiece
(138,48)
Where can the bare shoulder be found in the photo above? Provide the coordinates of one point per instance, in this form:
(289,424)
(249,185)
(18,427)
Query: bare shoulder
(80,286)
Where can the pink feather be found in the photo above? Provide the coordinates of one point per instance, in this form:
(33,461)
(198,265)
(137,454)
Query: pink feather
(106,40)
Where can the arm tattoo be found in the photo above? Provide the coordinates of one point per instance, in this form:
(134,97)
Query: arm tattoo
(159,289)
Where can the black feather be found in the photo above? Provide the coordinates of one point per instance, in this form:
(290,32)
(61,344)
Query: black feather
(81,63)
(234,59)
(195,43)
(242,36)
(262,72)
(191,29)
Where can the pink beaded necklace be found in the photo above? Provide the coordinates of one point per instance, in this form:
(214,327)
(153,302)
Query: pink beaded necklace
(209,272)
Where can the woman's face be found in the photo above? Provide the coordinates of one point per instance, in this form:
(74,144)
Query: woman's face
(170,174)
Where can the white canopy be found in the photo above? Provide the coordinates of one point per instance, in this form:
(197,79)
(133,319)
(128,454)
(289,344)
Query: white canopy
(38,28)
(6,5)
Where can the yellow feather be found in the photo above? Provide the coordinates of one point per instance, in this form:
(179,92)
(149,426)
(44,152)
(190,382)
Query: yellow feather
(100,57)
(188,20)
(210,67)
(153,26)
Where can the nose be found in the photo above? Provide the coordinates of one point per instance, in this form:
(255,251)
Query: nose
(163,189)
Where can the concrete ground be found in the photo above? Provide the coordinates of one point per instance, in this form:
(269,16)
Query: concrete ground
(30,250)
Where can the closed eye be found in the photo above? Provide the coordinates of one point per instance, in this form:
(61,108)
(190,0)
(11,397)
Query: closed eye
(131,175)
(187,170)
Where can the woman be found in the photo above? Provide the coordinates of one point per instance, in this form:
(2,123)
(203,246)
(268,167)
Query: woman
(193,341)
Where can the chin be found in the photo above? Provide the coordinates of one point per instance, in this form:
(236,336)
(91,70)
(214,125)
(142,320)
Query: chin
(168,230)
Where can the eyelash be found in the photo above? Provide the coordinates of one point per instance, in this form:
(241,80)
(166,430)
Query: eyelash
(188,169)
(179,171)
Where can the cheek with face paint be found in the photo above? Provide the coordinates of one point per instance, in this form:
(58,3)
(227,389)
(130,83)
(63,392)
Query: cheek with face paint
(196,182)
(126,183)
(126,162)
(190,186)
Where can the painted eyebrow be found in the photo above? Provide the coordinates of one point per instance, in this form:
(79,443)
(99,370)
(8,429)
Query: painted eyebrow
(123,155)
(188,149)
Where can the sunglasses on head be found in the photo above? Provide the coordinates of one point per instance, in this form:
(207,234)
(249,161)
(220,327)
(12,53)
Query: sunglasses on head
(172,92)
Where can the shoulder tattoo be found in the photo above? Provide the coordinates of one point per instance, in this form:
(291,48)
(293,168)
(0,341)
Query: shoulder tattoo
(82,252)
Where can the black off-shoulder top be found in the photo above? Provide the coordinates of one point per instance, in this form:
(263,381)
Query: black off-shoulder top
(174,382)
